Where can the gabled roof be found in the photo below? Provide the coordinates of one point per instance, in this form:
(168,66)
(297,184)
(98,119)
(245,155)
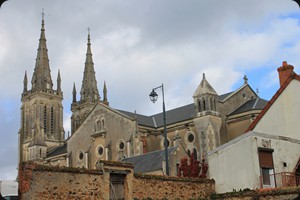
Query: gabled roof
(150,161)
(172,116)
(252,104)
(274,98)
(58,151)
(225,97)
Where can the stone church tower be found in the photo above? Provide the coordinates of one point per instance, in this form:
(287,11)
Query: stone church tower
(89,94)
(42,110)
(207,119)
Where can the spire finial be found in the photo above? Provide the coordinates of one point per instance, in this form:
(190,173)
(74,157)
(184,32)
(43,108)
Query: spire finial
(203,75)
(89,35)
(43,14)
(257,91)
(245,79)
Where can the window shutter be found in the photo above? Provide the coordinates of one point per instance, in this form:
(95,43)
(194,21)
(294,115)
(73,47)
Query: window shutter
(265,159)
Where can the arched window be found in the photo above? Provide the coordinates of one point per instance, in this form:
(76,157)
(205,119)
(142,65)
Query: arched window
(40,152)
(102,121)
(98,125)
(203,104)
(211,104)
(215,107)
(199,105)
(195,153)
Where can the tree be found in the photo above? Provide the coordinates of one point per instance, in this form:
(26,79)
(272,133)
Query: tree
(193,168)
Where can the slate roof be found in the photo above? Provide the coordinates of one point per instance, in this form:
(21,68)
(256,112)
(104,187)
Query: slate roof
(172,116)
(150,161)
(252,104)
(224,96)
(58,150)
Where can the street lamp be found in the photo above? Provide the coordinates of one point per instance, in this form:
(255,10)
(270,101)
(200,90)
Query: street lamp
(153,97)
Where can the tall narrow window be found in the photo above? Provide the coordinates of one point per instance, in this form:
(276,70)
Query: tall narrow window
(52,120)
(203,104)
(45,119)
(211,104)
(266,167)
(199,105)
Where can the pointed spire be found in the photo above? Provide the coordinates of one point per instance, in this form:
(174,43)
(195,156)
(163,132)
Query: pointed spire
(204,88)
(104,92)
(41,78)
(58,81)
(74,93)
(89,90)
(25,82)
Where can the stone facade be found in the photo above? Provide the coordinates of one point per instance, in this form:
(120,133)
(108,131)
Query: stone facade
(100,132)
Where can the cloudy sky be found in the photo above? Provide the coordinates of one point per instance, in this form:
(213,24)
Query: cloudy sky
(138,45)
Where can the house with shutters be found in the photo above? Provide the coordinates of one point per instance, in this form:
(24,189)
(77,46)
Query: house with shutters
(268,154)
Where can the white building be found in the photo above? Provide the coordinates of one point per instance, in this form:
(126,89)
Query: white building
(268,155)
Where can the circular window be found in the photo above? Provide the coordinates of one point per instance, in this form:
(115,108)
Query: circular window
(191,138)
(121,145)
(100,150)
(162,143)
(80,155)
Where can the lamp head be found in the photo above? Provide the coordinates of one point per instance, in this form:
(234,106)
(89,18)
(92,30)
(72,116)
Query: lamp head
(153,96)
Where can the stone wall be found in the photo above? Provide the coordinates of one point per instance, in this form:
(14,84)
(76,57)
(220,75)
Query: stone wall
(43,183)
(46,182)
(162,187)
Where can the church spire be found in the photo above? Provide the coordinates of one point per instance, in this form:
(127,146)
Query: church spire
(41,78)
(25,82)
(89,90)
(74,93)
(58,82)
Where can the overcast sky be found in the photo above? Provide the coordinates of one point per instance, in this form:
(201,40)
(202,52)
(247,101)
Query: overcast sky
(138,45)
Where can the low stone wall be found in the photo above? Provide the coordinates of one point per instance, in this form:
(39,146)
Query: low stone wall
(43,183)
(163,187)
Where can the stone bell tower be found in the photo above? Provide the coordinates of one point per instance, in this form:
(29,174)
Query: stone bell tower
(41,111)
(207,118)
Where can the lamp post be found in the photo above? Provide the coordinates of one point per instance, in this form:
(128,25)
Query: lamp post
(153,97)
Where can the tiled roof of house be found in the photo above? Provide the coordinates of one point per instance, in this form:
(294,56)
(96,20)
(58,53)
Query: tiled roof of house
(150,161)
(273,99)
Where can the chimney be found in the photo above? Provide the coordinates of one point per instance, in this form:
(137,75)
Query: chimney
(284,72)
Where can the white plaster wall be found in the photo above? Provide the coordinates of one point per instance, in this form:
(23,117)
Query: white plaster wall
(287,151)
(235,166)
(283,116)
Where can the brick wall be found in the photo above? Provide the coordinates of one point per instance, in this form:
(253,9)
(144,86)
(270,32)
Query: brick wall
(160,187)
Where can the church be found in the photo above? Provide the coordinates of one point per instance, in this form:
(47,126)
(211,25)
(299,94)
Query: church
(100,132)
